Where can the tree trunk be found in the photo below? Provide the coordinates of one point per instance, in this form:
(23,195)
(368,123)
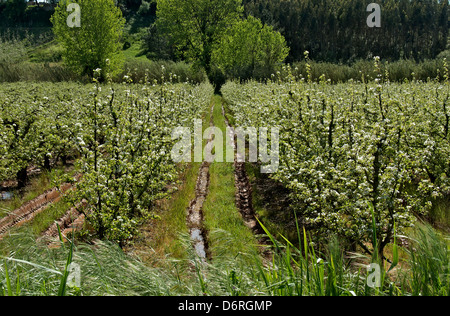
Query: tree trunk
(22,178)
(46,163)
(216,78)
(64,159)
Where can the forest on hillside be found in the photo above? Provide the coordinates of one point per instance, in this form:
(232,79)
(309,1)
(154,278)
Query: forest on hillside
(331,30)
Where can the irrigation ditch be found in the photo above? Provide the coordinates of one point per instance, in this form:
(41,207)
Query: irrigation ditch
(244,192)
(197,231)
(31,209)
(243,195)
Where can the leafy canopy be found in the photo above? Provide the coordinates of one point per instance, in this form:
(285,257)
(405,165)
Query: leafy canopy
(95,44)
(196,26)
(248,47)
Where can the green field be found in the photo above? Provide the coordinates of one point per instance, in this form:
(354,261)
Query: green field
(114,116)
(328,195)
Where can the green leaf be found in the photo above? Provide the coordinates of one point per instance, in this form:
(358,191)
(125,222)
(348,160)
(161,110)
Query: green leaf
(60,234)
(63,283)
(394,251)
(272,239)
(374,233)
(8,280)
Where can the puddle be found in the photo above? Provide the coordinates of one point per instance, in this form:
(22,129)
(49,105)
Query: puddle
(6,196)
(199,242)
(195,212)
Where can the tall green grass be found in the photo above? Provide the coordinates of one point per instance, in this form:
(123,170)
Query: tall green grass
(15,65)
(27,57)
(429,263)
(28,268)
(12,49)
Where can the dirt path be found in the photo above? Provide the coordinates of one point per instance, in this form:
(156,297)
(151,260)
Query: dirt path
(29,210)
(195,213)
(72,221)
(243,188)
(194,219)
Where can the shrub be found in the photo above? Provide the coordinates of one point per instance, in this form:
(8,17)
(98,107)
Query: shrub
(141,71)
(95,44)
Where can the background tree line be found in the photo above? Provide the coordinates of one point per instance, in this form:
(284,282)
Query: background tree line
(336,30)
(331,31)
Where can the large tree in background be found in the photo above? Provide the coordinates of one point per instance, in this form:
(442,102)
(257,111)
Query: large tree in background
(250,49)
(196,27)
(129,6)
(95,44)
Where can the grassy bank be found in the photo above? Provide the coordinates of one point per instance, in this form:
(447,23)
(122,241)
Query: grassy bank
(32,269)
(227,233)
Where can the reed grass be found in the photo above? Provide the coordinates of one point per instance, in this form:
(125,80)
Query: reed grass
(29,268)
(429,262)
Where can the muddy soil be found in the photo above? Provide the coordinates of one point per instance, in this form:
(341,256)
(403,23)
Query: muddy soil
(195,214)
(72,221)
(244,201)
(197,231)
(29,210)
